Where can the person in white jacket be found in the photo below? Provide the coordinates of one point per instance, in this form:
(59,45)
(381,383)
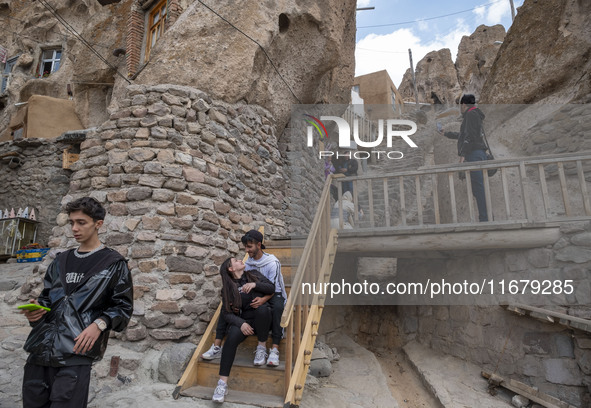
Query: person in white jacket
(348,212)
(270,267)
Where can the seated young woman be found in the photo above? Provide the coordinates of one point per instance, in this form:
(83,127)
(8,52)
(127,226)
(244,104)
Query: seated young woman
(239,288)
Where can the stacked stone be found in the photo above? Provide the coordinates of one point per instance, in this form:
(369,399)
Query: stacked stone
(182,178)
(26,185)
(565,131)
(306,178)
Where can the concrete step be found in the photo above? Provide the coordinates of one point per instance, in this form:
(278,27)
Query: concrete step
(452,381)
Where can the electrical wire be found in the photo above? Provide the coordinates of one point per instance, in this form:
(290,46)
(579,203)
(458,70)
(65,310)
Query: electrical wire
(78,36)
(431,18)
(470,22)
(49,31)
(260,46)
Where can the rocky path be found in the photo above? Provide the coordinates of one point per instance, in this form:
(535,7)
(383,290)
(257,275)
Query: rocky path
(356,381)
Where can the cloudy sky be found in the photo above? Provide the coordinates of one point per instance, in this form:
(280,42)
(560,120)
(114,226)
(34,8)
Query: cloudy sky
(385,34)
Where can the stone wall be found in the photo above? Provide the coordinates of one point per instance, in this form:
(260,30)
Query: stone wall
(552,357)
(39,182)
(571,122)
(182,178)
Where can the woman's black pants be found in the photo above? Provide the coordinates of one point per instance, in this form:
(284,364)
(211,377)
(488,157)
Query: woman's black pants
(260,320)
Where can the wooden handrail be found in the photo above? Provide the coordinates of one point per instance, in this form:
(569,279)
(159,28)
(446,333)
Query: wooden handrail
(306,253)
(302,312)
(529,173)
(467,166)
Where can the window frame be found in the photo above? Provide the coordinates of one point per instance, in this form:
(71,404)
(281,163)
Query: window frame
(52,60)
(7,72)
(155,28)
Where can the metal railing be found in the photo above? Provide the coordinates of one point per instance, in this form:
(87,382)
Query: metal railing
(524,190)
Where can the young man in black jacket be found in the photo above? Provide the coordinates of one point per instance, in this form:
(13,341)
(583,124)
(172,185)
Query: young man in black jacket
(90,292)
(471,148)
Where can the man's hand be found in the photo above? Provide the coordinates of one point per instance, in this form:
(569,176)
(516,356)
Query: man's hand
(34,315)
(85,340)
(258,301)
(247,287)
(246,329)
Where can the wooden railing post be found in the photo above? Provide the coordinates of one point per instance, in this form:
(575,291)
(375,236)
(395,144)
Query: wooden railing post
(583,184)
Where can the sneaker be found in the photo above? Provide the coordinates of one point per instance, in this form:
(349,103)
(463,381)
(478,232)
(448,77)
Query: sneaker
(213,352)
(260,355)
(273,360)
(220,392)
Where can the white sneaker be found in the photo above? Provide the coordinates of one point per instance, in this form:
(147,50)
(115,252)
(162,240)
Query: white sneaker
(260,355)
(220,392)
(213,352)
(273,360)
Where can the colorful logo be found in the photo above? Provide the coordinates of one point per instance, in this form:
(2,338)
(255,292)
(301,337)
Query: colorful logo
(319,127)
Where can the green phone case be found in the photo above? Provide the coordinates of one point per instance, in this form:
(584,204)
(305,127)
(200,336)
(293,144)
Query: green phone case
(32,306)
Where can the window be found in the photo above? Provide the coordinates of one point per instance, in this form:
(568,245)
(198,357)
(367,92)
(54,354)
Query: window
(50,62)
(18,133)
(6,73)
(155,25)
(393,99)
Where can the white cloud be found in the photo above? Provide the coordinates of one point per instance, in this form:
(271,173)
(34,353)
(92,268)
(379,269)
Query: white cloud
(494,13)
(480,11)
(363,3)
(390,51)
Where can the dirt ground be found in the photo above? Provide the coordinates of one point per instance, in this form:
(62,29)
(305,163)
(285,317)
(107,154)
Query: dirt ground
(405,385)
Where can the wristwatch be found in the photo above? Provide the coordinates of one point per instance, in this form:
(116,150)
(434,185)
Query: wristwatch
(101,324)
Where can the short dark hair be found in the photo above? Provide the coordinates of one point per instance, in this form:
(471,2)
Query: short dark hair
(88,206)
(468,99)
(253,236)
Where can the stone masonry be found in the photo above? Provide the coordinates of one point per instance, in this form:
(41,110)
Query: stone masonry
(182,178)
(27,185)
(552,357)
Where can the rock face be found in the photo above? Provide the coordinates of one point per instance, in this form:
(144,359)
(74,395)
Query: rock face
(545,53)
(476,55)
(311,44)
(31,28)
(437,79)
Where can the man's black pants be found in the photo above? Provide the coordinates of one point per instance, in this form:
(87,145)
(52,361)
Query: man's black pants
(56,387)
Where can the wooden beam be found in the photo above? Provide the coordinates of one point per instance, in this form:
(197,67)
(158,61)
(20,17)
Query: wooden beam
(448,241)
(583,185)
(520,388)
(544,185)
(419,200)
(469,193)
(524,192)
(435,199)
(551,316)
(452,197)
(563,188)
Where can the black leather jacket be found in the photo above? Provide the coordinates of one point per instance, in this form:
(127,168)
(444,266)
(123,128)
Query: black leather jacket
(106,291)
(470,137)
(263,287)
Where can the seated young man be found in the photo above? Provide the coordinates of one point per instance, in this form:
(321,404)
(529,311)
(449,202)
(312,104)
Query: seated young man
(270,267)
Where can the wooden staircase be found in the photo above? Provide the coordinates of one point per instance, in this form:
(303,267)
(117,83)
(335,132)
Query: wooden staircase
(301,261)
